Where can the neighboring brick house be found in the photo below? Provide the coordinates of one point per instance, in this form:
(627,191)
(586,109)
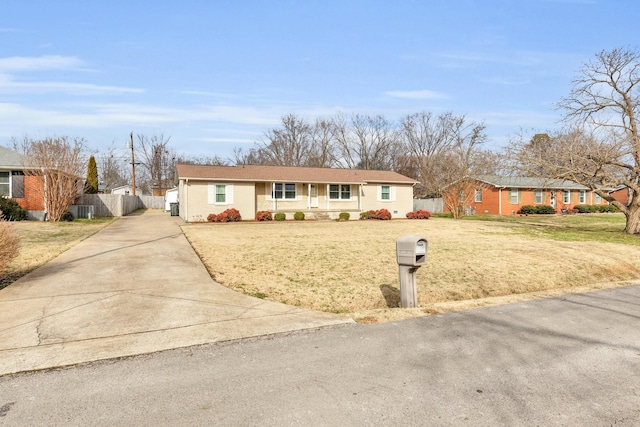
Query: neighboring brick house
(621,194)
(27,190)
(499,195)
(318,192)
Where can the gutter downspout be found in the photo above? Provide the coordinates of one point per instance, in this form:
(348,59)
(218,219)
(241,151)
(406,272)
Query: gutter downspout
(500,200)
(186,202)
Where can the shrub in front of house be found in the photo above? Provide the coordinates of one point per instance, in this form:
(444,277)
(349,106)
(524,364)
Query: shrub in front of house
(263,216)
(419,214)
(527,210)
(11,210)
(344,216)
(539,210)
(381,214)
(545,210)
(67,217)
(607,208)
(596,208)
(230,215)
(298,216)
(280,216)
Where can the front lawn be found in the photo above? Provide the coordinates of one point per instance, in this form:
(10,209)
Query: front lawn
(350,267)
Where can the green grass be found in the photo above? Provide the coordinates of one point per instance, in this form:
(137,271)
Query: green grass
(607,228)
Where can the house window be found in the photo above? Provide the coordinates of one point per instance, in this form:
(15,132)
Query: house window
(339,191)
(285,191)
(17,184)
(4,184)
(221,193)
(597,199)
(513,196)
(566,196)
(537,197)
(385,192)
(478,195)
(582,197)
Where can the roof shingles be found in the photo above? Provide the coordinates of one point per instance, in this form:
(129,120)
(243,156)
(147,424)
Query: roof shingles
(259,173)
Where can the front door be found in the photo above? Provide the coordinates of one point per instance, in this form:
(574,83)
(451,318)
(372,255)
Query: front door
(553,199)
(313,194)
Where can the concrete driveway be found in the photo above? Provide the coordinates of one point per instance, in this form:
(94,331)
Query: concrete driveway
(135,287)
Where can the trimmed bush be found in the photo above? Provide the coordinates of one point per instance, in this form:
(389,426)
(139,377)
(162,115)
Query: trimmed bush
(344,216)
(545,210)
(67,217)
(527,210)
(596,208)
(381,214)
(419,214)
(11,210)
(230,215)
(540,210)
(298,216)
(280,216)
(263,216)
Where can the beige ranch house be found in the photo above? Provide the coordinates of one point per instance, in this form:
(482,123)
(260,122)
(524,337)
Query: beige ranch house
(321,193)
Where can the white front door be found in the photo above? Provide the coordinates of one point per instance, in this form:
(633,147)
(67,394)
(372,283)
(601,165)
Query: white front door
(313,194)
(553,199)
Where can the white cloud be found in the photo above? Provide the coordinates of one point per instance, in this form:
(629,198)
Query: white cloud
(47,62)
(415,94)
(9,85)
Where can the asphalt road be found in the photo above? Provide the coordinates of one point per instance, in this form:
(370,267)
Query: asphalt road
(572,361)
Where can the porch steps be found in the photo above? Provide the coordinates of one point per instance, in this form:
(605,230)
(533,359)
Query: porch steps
(322,216)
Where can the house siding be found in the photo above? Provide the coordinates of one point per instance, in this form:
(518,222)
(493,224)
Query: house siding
(193,196)
(496,201)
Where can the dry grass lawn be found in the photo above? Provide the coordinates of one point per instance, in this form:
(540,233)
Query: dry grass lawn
(40,242)
(350,267)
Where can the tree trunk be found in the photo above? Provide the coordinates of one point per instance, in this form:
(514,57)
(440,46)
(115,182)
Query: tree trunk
(633,219)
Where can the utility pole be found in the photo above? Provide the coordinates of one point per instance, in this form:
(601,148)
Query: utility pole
(133,165)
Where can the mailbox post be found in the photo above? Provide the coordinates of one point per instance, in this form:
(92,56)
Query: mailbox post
(411,253)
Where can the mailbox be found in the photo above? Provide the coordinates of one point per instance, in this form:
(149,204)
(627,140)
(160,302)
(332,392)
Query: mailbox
(412,251)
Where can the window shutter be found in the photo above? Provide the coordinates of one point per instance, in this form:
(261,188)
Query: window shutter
(229,193)
(211,194)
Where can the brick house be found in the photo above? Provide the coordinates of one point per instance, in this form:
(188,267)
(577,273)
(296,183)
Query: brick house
(26,190)
(499,195)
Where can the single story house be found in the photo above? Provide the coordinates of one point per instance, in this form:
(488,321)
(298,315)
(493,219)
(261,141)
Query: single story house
(321,193)
(504,195)
(26,190)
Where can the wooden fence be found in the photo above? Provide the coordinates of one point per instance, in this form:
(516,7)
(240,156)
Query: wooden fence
(431,205)
(119,204)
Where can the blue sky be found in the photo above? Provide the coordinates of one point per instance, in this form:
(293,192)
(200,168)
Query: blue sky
(214,75)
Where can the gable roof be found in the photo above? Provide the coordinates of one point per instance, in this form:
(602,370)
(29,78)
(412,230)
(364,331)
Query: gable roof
(10,159)
(530,182)
(259,173)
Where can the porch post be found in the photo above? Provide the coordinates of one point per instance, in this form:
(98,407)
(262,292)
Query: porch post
(274,203)
(309,196)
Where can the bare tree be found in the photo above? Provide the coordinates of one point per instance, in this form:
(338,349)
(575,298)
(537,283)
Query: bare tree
(601,147)
(445,150)
(201,160)
(366,142)
(113,172)
(322,153)
(158,163)
(59,163)
(288,145)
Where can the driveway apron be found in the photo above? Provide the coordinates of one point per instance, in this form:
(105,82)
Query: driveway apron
(134,287)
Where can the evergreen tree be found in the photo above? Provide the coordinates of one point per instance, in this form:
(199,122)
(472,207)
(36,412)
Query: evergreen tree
(91,186)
